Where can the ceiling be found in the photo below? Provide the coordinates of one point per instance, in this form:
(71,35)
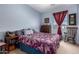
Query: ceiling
(43,7)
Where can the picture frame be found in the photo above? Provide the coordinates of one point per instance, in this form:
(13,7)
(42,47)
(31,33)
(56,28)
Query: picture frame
(72,19)
(46,20)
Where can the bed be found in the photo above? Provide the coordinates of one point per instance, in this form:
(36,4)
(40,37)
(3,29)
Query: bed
(39,43)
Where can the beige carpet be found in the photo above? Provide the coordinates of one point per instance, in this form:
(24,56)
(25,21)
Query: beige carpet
(65,48)
(17,51)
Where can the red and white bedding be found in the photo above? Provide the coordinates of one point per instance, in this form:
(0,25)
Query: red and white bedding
(46,43)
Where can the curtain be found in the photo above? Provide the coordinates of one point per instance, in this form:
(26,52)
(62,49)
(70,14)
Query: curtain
(59,18)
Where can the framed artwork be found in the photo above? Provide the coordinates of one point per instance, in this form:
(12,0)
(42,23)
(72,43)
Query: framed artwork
(72,19)
(46,20)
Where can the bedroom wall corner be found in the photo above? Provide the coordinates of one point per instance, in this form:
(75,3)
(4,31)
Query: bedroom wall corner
(16,16)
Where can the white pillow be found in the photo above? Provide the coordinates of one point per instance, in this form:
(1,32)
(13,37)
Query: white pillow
(28,33)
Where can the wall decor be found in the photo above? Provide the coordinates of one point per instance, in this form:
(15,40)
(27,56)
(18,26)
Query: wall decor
(46,20)
(72,19)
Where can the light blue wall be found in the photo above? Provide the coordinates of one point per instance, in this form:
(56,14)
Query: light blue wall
(71,9)
(77,37)
(14,17)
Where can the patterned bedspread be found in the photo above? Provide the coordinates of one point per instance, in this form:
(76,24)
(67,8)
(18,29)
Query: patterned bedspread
(46,43)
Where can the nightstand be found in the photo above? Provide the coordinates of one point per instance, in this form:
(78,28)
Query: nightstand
(11,41)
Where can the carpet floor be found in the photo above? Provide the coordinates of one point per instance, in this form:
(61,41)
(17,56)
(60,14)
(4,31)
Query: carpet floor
(65,48)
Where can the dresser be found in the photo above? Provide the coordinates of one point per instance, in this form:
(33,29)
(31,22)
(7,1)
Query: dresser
(45,28)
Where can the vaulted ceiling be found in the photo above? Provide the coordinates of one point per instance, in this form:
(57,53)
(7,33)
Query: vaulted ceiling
(43,7)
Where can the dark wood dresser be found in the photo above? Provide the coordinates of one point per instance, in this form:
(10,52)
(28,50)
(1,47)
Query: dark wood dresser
(45,28)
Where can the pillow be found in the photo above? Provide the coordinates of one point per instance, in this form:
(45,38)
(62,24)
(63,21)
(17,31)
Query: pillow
(28,33)
(18,32)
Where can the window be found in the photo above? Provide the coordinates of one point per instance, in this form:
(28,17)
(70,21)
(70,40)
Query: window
(64,24)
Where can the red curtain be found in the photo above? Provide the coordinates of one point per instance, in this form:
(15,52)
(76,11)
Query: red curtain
(59,17)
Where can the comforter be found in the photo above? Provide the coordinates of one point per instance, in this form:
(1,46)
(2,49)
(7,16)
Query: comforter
(46,43)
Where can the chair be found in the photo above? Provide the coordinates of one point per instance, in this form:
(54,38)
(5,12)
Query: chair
(3,48)
(71,34)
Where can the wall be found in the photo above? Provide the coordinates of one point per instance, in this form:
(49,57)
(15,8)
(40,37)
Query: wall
(15,17)
(77,37)
(70,8)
